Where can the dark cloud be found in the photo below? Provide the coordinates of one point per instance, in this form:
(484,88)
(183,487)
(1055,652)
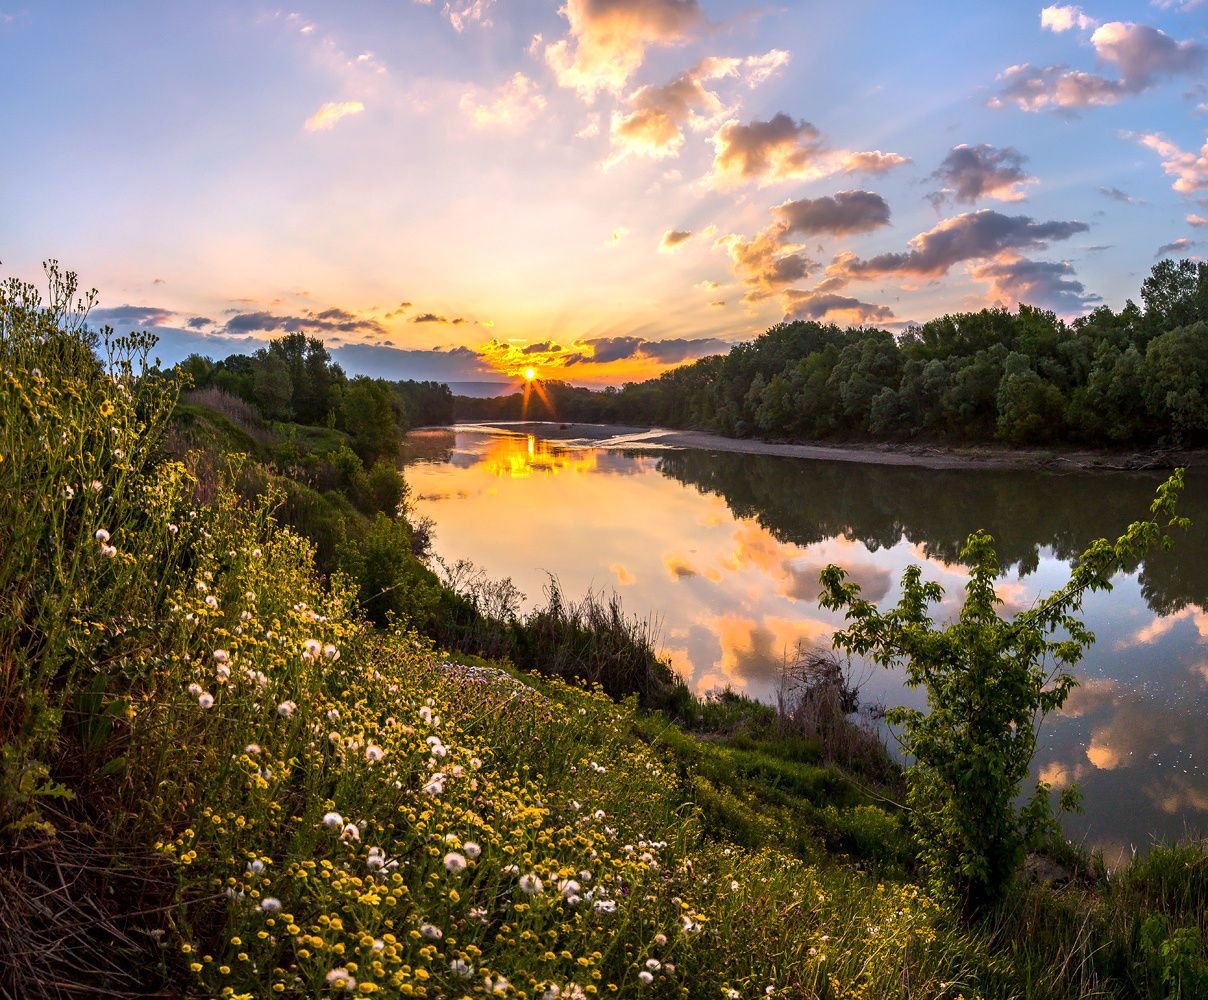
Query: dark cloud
(970,173)
(667,352)
(1177,248)
(835,215)
(197,322)
(1115,194)
(1051,284)
(673,239)
(971,236)
(830,307)
(327,321)
(140,316)
(765,262)
(1141,54)
(540,347)
(429,318)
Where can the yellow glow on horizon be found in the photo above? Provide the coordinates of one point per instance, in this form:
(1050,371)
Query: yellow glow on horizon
(530,374)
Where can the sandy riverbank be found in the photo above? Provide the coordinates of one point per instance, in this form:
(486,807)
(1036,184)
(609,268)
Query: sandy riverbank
(922,456)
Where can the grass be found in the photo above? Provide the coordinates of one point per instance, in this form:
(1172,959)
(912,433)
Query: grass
(219,780)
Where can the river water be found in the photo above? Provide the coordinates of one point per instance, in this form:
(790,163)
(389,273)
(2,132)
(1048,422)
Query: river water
(723,551)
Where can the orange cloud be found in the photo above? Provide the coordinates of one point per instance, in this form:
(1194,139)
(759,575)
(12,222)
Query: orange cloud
(330,113)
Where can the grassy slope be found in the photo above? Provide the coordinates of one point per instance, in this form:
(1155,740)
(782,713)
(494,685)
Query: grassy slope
(315,807)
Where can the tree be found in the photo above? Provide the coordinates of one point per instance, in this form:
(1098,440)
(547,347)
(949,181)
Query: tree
(989,682)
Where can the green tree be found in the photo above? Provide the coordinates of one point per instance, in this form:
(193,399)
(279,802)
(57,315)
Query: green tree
(988,682)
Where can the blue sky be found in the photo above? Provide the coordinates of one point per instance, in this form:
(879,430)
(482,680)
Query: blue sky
(602,188)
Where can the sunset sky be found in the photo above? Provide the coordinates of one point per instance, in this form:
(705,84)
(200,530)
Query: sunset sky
(601,188)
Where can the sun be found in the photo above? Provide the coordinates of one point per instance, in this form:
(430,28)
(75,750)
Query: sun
(530,374)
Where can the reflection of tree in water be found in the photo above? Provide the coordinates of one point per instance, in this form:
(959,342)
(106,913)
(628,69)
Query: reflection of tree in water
(1025,510)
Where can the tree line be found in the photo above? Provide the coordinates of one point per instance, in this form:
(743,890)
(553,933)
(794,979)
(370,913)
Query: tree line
(1133,377)
(293,379)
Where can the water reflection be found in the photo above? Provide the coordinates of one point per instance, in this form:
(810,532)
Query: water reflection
(727,548)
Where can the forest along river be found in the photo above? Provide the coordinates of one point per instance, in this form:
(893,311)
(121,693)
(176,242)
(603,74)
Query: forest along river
(724,550)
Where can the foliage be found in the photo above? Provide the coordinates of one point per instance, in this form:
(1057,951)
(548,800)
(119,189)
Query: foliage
(988,682)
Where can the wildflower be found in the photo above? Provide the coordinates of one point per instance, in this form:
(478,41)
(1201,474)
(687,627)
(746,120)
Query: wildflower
(96,486)
(645,977)
(333,715)
(255,553)
(256,867)
(435,785)
(286,709)
(68,492)
(333,820)
(341,979)
(471,849)
(425,713)
(530,884)
(101,535)
(108,551)
(351,832)
(330,652)
(310,649)
(431,932)
(476,764)
(374,753)
(205,700)
(172,529)
(195,690)
(460,967)
(653,964)
(734,887)
(211,601)
(270,904)
(569,888)
(606,906)
(221,656)
(376,859)
(454,862)
(660,939)
(733,994)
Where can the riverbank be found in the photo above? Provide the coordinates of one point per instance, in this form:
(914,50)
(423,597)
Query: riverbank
(617,437)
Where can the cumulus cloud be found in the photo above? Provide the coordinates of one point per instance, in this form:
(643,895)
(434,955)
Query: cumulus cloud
(765,262)
(673,240)
(835,215)
(626,353)
(199,322)
(970,236)
(608,39)
(1141,55)
(873,161)
(784,149)
(430,317)
(653,126)
(514,103)
(830,307)
(1061,17)
(970,173)
(1175,248)
(1051,284)
(672,351)
(330,113)
(1196,220)
(767,151)
(1189,170)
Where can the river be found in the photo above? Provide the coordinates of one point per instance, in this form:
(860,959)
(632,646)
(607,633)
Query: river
(723,551)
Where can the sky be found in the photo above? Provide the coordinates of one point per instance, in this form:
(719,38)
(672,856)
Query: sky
(598,189)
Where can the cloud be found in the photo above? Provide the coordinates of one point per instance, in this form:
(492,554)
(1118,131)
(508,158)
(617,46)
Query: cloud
(654,124)
(1175,248)
(1051,284)
(1121,196)
(767,151)
(1189,170)
(1060,18)
(873,162)
(467,11)
(678,567)
(198,322)
(330,113)
(430,317)
(830,307)
(513,104)
(1140,53)
(142,316)
(835,215)
(673,240)
(765,262)
(784,149)
(458,364)
(671,351)
(970,173)
(327,321)
(971,236)
(1196,220)
(612,356)
(608,40)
